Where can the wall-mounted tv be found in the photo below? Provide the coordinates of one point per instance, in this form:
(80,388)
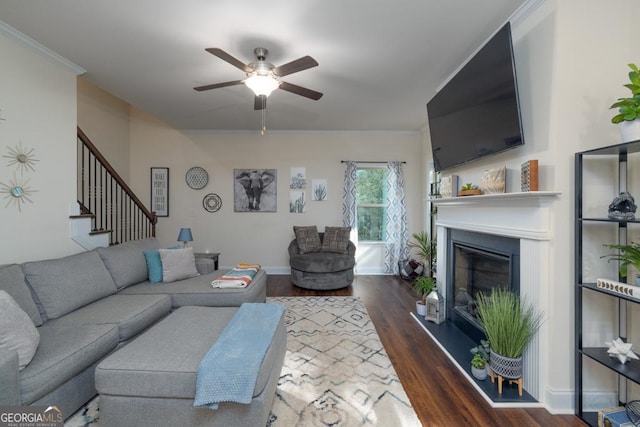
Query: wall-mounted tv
(477,113)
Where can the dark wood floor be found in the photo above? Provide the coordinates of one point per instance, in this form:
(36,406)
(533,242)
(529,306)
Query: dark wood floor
(439,393)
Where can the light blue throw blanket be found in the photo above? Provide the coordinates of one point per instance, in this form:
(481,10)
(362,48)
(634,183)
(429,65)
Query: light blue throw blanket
(228,372)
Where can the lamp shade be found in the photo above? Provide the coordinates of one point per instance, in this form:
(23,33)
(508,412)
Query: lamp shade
(262,85)
(185,235)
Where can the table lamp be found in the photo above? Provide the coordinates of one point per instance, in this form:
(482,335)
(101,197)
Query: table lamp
(185,236)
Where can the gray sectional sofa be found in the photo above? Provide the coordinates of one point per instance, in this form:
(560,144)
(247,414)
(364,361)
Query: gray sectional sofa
(88,305)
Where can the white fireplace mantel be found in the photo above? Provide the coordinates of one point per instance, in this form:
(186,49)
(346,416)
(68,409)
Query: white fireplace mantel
(525,216)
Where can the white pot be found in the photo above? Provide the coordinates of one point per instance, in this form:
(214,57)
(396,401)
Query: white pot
(421,308)
(479,373)
(630,130)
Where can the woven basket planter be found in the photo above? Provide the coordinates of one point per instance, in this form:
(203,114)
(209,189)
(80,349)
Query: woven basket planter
(506,367)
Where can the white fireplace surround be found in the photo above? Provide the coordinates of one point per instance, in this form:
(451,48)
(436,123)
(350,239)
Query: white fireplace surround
(523,216)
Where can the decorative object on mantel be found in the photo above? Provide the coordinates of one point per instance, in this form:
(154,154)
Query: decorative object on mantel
(17,192)
(629,108)
(627,255)
(197,178)
(22,158)
(493,181)
(435,307)
(620,288)
(529,176)
(449,186)
(469,190)
(212,202)
(620,349)
(623,207)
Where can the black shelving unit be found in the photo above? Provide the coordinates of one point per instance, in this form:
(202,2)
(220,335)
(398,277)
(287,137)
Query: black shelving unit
(629,371)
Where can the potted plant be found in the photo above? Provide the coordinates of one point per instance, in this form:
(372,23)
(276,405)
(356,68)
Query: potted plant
(423,285)
(425,248)
(629,108)
(479,367)
(510,324)
(627,255)
(469,190)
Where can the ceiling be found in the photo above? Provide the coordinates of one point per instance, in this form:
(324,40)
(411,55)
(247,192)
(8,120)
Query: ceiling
(380,61)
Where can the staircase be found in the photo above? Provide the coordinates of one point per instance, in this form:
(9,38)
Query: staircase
(108,212)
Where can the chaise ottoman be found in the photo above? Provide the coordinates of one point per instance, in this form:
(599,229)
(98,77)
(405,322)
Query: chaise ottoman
(152,380)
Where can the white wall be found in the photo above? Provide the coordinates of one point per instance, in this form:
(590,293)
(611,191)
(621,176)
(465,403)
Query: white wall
(38,104)
(260,236)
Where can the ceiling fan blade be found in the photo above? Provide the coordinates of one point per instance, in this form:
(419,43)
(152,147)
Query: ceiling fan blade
(295,66)
(260,102)
(218,85)
(302,91)
(228,58)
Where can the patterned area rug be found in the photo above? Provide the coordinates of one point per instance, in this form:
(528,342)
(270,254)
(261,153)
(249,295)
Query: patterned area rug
(336,371)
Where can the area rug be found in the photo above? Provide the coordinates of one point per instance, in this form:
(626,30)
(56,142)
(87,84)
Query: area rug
(336,371)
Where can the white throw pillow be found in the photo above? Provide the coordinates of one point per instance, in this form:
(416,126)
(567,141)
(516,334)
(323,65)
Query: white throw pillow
(177,264)
(17,331)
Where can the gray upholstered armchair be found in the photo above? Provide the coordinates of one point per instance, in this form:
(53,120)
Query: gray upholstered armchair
(328,265)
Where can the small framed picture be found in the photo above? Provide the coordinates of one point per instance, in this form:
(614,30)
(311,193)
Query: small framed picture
(449,186)
(160,191)
(529,176)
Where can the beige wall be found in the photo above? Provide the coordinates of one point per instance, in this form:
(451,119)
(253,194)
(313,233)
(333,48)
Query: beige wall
(38,103)
(260,236)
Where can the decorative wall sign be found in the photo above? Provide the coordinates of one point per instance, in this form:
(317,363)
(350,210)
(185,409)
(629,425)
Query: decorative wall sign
(160,191)
(17,192)
(493,181)
(319,190)
(298,179)
(255,190)
(529,176)
(212,202)
(197,178)
(22,158)
(296,201)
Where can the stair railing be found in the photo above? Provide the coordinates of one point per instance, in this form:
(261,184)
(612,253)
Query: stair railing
(103,194)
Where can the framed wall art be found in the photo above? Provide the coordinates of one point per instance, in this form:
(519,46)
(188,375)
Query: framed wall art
(255,190)
(449,186)
(160,191)
(529,176)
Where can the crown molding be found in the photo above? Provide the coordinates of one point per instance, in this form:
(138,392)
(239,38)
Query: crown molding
(42,50)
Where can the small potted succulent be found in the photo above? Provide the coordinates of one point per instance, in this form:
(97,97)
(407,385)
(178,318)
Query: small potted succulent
(479,367)
(423,285)
(469,190)
(629,108)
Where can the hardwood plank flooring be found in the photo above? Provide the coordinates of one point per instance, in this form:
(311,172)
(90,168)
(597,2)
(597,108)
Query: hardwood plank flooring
(439,393)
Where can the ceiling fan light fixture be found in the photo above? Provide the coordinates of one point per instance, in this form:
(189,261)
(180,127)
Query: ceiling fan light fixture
(261,84)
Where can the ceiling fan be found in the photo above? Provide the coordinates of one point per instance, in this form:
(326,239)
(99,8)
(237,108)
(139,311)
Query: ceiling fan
(263,77)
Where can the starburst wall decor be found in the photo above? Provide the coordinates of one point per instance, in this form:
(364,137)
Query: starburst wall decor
(22,158)
(17,192)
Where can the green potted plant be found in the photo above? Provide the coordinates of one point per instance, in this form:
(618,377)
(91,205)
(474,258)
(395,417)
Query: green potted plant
(425,248)
(469,190)
(510,324)
(479,367)
(629,108)
(423,285)
(627,255)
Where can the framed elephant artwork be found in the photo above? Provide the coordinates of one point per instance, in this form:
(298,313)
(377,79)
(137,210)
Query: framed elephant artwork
(255,190)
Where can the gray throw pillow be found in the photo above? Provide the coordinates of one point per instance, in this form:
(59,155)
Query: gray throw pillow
(307,238)
(177,264)
(336,239)
(17,331)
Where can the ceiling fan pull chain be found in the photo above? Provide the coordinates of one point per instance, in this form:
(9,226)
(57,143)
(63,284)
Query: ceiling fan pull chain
(264,116)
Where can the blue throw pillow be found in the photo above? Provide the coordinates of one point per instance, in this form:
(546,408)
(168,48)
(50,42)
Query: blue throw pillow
(154,264)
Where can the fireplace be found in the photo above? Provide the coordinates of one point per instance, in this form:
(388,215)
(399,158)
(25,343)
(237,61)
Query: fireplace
(478,263)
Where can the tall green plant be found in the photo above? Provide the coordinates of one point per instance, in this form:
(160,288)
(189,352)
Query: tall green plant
(509,323)
(423,245)
(627,255)
(423,285)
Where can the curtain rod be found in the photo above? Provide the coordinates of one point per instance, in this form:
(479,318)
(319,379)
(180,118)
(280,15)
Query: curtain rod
(364,161)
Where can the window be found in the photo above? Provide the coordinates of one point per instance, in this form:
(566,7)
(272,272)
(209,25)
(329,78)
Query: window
(371,201)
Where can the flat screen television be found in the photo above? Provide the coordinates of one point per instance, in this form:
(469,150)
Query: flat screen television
(477,113)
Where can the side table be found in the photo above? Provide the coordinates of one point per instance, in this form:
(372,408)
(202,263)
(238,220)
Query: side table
(210,255)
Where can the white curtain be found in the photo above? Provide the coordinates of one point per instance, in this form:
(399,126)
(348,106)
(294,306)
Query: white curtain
(349,216)
(397,237)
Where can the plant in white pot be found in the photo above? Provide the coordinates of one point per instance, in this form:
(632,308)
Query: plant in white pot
(629,108)
(423,285)
(510,324)
(628,255)
(479,367)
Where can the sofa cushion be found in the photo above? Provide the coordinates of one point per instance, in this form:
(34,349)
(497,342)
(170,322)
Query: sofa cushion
(63,353)
(154,264)
(132,314)
(126,262)
(322,262)
(17,331)
(66,284)
(13,282)
(177,264)
(307,238)
(336,239)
